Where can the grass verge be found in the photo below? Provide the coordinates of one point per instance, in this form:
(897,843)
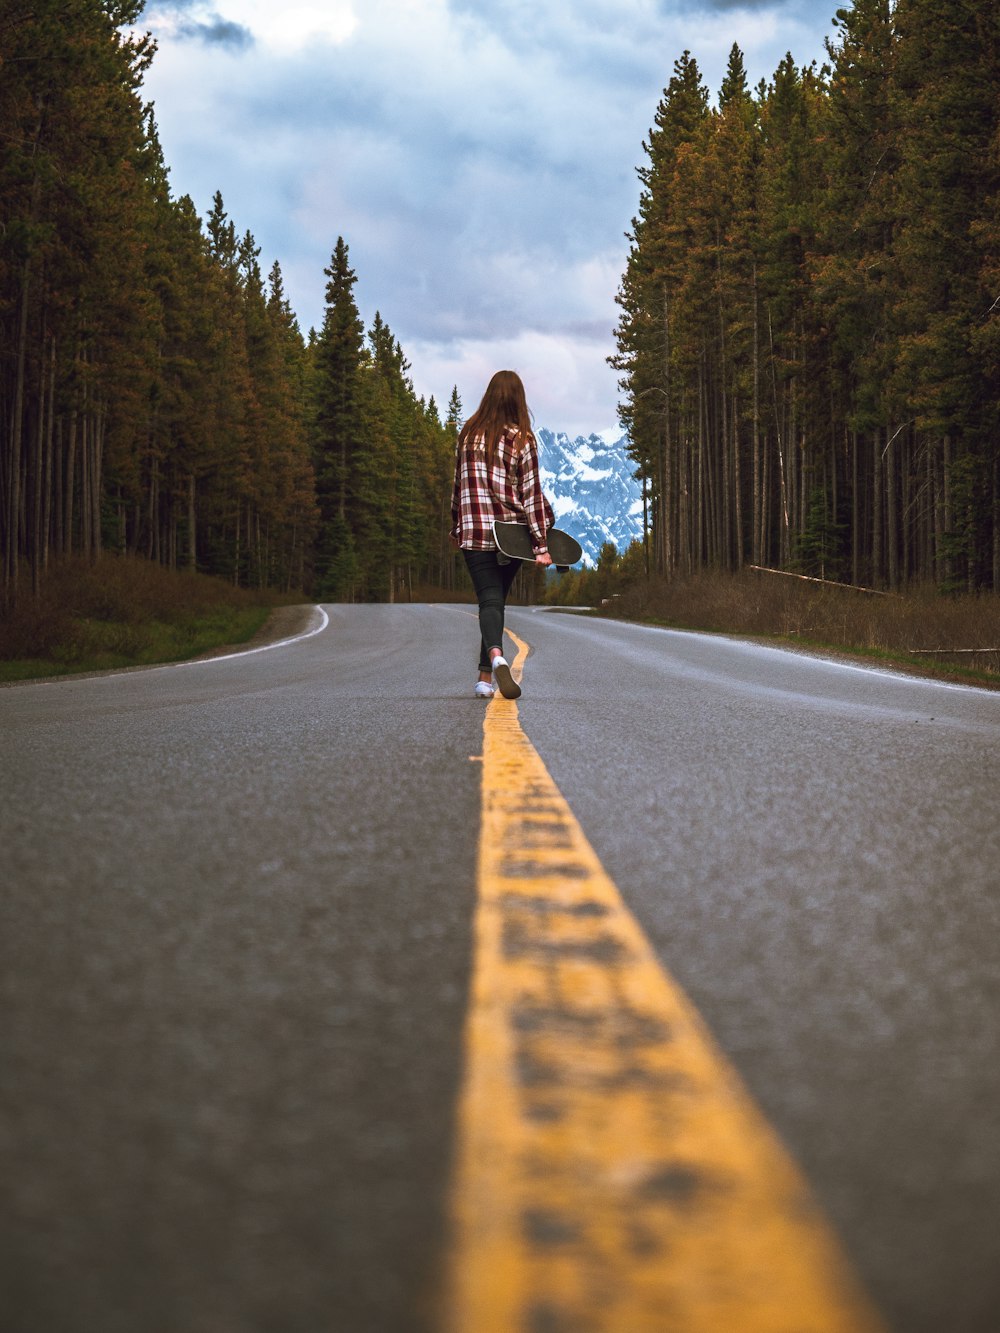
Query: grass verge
(124,612)
(923,632)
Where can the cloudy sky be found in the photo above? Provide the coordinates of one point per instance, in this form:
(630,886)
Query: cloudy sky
(478,157)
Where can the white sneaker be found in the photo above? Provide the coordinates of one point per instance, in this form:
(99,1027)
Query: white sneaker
(484,689)
(509,687)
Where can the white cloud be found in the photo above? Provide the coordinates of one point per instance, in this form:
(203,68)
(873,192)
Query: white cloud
(281,29)
(293,24)
(568,384)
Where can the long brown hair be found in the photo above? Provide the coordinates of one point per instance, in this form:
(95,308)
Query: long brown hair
(503,405)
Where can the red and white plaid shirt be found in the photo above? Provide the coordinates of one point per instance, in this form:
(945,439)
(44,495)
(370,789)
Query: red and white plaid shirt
(513,493)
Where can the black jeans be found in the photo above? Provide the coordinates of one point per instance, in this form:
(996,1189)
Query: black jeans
(491,581)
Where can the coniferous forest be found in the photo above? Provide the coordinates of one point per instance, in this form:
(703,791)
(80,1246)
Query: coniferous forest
(809,340)
(810,332)
(156,394)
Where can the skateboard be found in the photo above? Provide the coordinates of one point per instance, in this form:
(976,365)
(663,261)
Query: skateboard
(514,541)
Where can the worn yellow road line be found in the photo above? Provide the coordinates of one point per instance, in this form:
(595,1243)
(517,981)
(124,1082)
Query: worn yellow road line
(612,1173)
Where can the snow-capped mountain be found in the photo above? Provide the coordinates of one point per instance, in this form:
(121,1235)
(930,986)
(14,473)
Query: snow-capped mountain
(593,492)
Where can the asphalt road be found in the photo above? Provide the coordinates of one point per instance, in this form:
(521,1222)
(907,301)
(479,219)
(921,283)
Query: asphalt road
(236,944)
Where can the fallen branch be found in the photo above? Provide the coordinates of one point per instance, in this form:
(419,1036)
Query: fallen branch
(826,583)
(949,652)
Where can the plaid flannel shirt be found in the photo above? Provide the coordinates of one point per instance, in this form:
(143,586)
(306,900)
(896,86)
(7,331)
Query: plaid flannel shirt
(512,494)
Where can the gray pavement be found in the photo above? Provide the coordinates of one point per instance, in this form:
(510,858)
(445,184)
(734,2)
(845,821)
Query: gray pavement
(814,850)
(235,943)
(235,934)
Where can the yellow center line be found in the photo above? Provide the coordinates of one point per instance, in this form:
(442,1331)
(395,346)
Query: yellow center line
(612,1174)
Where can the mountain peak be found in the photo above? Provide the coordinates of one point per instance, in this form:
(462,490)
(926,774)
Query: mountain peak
(590,482)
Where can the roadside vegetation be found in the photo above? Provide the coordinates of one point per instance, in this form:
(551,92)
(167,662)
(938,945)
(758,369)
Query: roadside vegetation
(124,611)
(952,636)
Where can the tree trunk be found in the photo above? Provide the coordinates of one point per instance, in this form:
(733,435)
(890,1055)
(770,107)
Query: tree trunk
(37,469)
(192,532)
(764,555)
(949,564)
(783,544)
(11,554)
(891,508)
(855,512)
(50,425)
(59,498)
(86,508)
(878,560)
(14,492)
(892,535)
(97,485)
(757,541)
(726,535)
(71,447)
(665,459)
(737,483)
(153,544)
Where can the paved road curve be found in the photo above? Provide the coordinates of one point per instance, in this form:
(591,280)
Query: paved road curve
(236,943)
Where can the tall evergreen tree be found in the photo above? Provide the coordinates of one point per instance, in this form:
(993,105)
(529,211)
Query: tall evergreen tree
(453,421)
(644,333)
(338,357)
(854,273)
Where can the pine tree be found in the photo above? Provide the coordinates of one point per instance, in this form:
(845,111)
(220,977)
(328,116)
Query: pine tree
(731,247)
(854,274)
(453,421)
(644,333)
(338,356)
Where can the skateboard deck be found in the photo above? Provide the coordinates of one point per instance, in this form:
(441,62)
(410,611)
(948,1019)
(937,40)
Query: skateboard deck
(514,541)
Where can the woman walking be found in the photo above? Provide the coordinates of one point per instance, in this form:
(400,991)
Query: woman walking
(496,477)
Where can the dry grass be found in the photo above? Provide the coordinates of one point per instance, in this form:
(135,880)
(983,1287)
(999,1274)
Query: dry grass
(894,628)
(123,612)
